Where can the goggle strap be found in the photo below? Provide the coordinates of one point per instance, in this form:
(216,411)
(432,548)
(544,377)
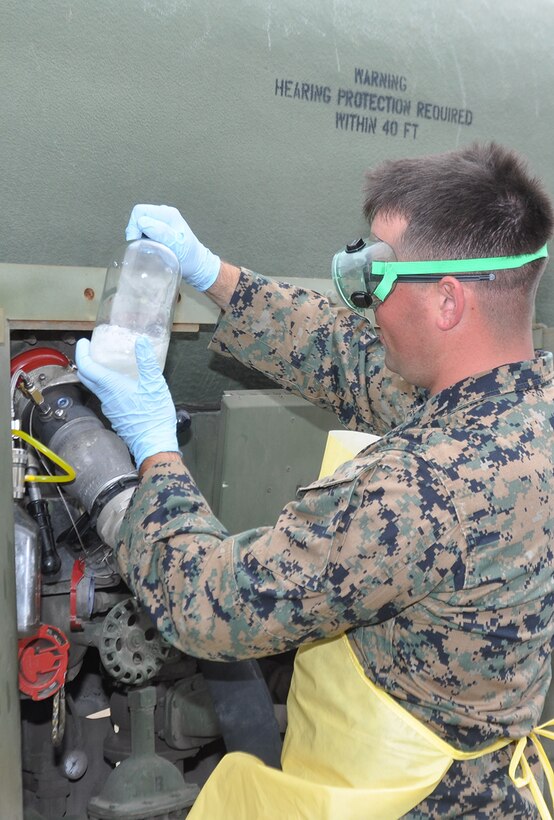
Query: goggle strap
(390,270)
(385,285)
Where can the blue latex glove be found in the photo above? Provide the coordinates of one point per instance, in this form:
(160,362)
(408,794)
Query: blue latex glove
(141,412)
(199,266)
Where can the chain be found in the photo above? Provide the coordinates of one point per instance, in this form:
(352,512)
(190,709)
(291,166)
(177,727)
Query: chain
(58,717)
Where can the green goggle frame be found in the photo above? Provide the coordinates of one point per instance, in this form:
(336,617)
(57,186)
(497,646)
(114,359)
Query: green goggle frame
(365,272)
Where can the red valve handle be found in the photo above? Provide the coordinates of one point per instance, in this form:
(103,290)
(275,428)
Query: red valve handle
(43,662)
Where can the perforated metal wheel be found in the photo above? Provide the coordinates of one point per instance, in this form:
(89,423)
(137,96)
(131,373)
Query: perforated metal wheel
(131,648)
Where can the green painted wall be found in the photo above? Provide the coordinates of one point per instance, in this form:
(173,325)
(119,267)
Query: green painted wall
(185,101)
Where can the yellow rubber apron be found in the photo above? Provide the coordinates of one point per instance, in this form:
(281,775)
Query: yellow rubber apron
(351,752)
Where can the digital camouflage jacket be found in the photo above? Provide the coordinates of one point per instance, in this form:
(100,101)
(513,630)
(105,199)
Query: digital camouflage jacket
(434,546)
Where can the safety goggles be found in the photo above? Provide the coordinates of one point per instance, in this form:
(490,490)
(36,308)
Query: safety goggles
(366,271)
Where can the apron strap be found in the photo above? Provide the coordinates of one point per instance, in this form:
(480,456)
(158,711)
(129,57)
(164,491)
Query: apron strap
(528,778)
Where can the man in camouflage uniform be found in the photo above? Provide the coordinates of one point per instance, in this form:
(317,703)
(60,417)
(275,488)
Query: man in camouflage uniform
(434,546)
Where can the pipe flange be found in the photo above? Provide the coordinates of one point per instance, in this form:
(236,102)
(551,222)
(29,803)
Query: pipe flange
(131,649)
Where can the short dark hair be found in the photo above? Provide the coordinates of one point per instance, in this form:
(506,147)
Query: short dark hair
(476,201)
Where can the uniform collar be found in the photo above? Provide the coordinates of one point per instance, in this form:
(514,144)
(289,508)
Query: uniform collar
(508,378)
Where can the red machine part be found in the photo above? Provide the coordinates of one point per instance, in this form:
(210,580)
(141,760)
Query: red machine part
(77,575)
(43,662)
(36,358)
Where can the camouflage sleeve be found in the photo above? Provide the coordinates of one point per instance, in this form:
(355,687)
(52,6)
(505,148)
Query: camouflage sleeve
(355,548)
(329,356)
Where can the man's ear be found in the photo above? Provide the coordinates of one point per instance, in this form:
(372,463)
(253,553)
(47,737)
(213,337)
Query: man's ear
(451,302)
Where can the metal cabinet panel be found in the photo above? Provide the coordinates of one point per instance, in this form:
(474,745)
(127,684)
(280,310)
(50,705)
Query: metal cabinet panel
(270,443)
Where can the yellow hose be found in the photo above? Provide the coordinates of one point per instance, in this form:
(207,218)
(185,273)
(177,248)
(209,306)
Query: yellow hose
(70,473)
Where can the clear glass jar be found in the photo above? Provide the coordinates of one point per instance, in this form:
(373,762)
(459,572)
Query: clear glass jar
(139,298)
